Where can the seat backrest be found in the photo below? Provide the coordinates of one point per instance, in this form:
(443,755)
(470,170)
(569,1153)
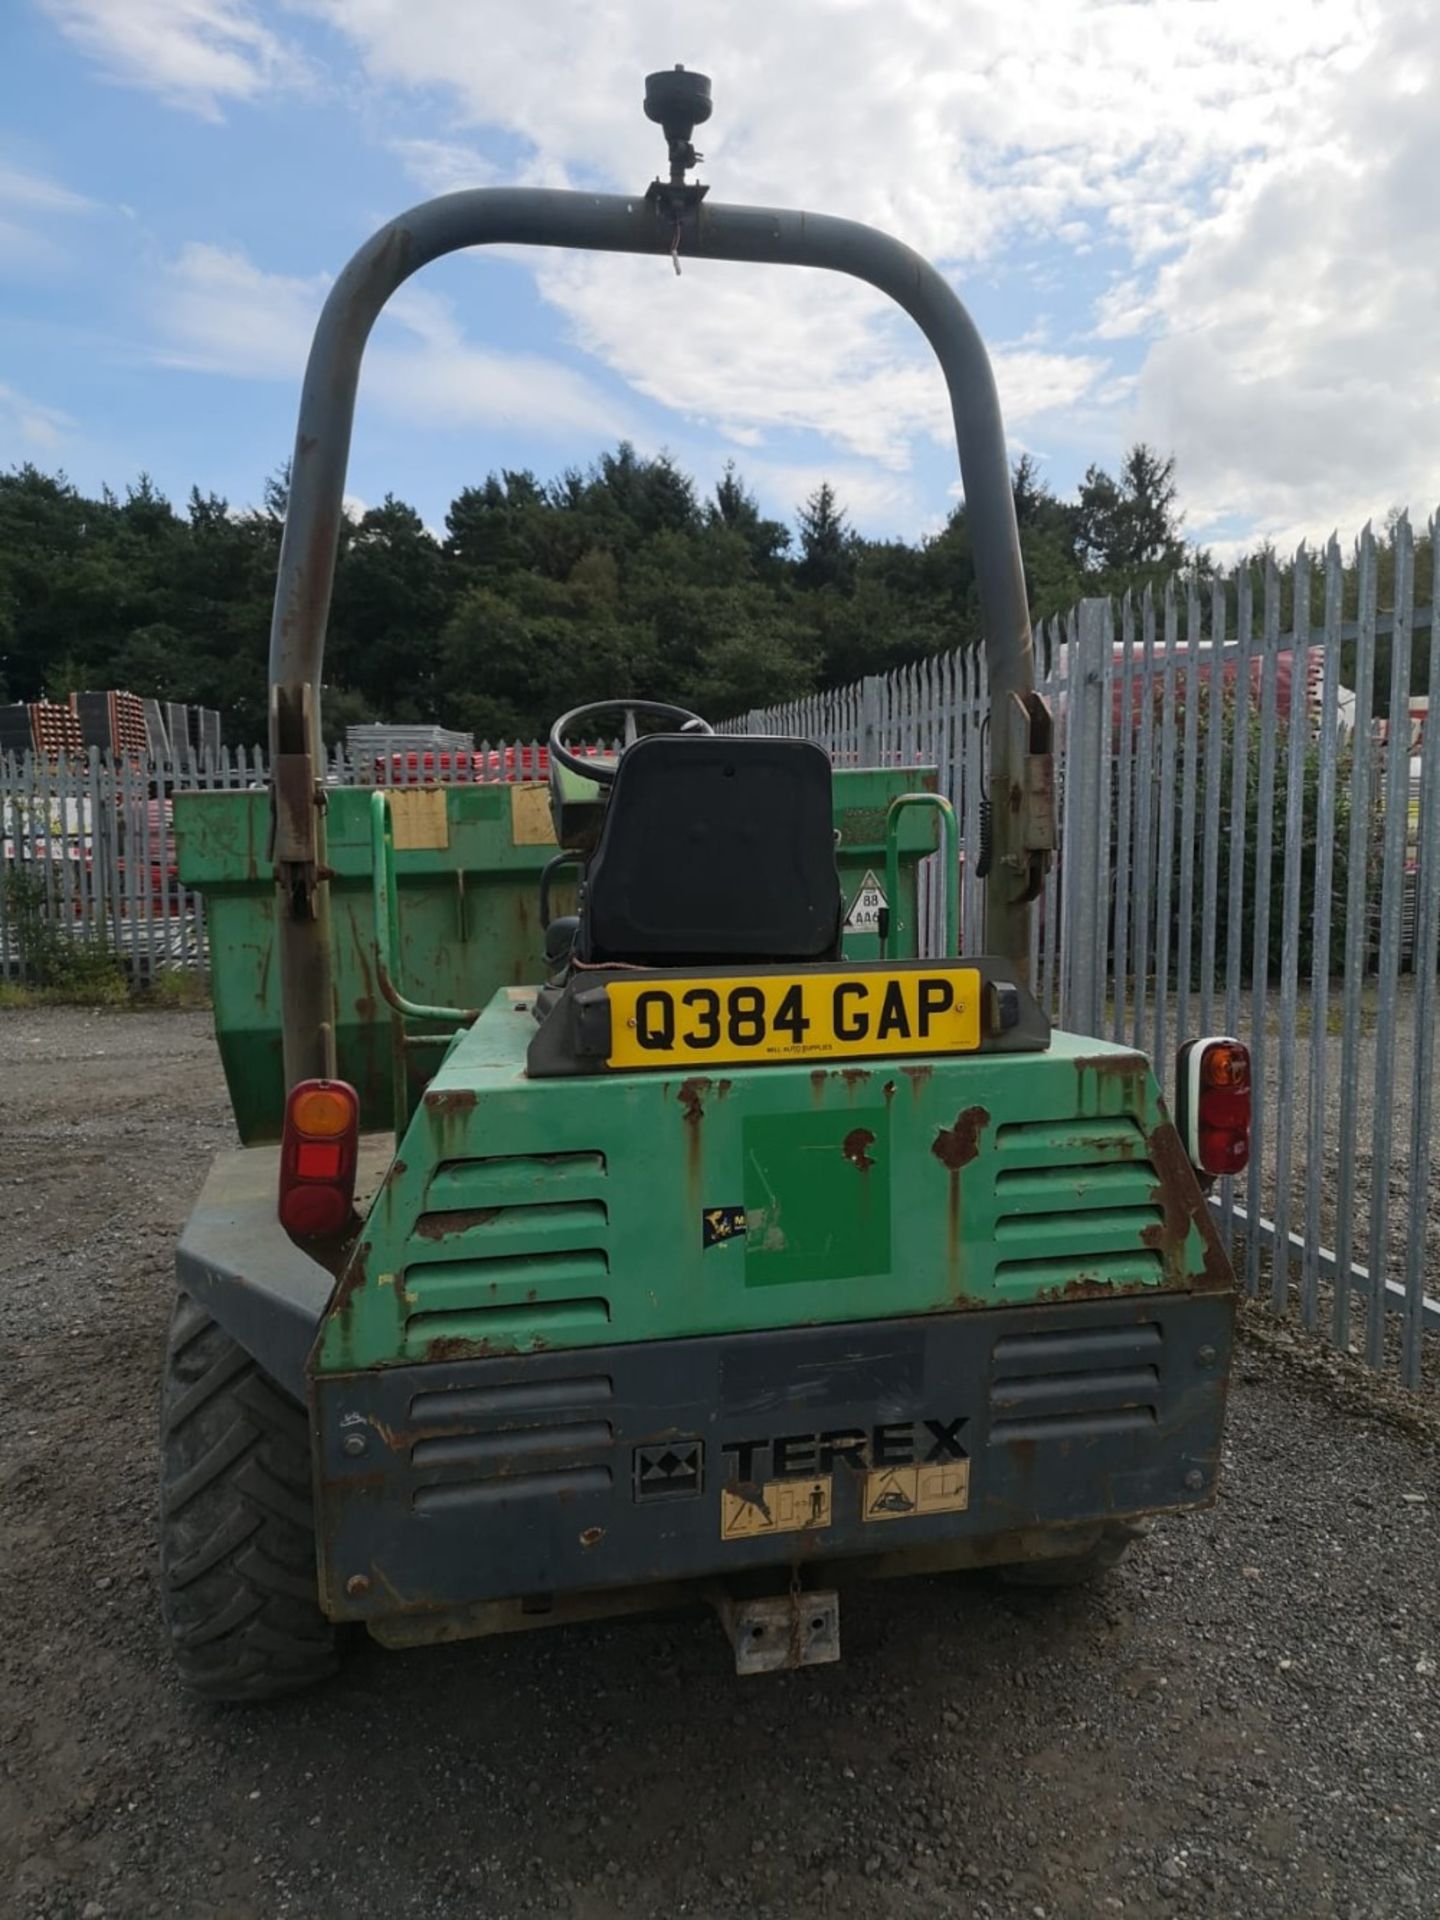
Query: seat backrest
(715,848)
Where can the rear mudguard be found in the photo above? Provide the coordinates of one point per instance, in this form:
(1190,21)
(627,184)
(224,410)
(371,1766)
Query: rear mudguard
(236,1259)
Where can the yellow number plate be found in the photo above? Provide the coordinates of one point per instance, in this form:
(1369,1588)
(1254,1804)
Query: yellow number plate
(810,1016)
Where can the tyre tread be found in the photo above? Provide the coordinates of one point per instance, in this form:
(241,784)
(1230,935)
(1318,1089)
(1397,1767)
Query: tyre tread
(238,1570)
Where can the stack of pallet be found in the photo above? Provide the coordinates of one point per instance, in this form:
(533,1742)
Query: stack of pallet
(112,721)
(55,730)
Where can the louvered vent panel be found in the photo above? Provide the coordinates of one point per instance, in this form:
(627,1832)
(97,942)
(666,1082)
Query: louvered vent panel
(1075,1208)
(510,1253)
(1076,1385)
(520,1440)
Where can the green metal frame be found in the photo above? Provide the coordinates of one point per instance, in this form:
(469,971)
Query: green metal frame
(385,899)
(387,923)
(896,927)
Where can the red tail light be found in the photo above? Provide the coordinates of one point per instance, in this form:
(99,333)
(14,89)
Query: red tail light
(1213,1104)
(317,1157)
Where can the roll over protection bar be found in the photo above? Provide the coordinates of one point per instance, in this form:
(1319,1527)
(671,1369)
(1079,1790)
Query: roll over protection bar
(615,223)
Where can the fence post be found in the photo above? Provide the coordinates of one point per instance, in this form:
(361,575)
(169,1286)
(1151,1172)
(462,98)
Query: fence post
(1085,861)
(871,693)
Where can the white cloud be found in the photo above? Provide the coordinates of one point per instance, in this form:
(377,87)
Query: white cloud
(1294,371)
(744,349)
(966,127)
(870,497)
(193,53)
(29,206)
(1256,181)
(444,166)
(223,314)
(953,121)
(27,427)
(34,193)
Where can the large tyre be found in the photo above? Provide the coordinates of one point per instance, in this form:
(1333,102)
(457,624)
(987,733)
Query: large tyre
(237,1522)
(1078,1569)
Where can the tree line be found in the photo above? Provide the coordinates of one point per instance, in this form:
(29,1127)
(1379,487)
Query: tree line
(618,579)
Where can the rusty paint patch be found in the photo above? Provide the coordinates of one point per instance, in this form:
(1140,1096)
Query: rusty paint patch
(1184,1206)
(854,1077)
(451,1346)
(856,1148)
(818,1077)
(1113,1066)
(352,1278)
(453,1100)
(918,1077)
(592,1536)
(722,1089)
(439,1226)
(691,1097)
(1085,1286)
(955,1147)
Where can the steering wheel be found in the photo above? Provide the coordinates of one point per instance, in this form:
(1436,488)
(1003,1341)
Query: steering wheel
(602,771)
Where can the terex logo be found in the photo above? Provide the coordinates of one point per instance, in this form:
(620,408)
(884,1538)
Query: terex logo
(902,1443)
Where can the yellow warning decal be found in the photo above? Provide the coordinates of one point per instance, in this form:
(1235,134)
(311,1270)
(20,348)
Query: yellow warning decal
(905,1493)
(780,1506)
(530,821)
(419,818)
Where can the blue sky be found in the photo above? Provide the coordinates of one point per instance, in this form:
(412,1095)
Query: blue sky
(1192,221)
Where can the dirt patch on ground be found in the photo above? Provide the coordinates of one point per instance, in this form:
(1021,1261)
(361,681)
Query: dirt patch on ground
(1244,1721)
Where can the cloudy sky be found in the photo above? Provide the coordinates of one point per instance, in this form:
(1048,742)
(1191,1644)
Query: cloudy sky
(1213,224)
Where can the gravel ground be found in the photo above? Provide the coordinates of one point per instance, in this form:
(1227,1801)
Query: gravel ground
(1244,1721)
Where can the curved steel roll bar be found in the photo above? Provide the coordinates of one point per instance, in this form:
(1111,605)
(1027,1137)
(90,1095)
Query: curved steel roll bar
(1019,741)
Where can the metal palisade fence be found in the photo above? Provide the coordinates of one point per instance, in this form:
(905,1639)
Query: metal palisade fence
(1245,849)
(87,844)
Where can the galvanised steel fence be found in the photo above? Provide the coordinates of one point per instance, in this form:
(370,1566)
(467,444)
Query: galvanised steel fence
(87,844)
(1245,849)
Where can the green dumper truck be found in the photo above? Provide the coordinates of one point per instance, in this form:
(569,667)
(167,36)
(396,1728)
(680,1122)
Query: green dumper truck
(628,1213)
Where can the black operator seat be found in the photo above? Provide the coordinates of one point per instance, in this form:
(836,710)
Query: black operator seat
(714,849)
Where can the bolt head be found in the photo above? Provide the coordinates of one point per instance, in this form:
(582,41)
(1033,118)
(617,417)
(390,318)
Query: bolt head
(357,1586)
(1206,1356)
(1194,1479)
(354,1444)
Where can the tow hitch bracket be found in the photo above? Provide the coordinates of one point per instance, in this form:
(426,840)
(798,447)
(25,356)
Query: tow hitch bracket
(781,1631)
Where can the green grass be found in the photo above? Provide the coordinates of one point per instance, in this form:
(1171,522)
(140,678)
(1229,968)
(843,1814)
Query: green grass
(176,989)
(180,988)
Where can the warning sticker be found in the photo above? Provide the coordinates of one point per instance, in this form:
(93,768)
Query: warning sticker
(780,1506)
(418,817)
(906,1493)
(865,909)
(719,1224)
(530,822)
